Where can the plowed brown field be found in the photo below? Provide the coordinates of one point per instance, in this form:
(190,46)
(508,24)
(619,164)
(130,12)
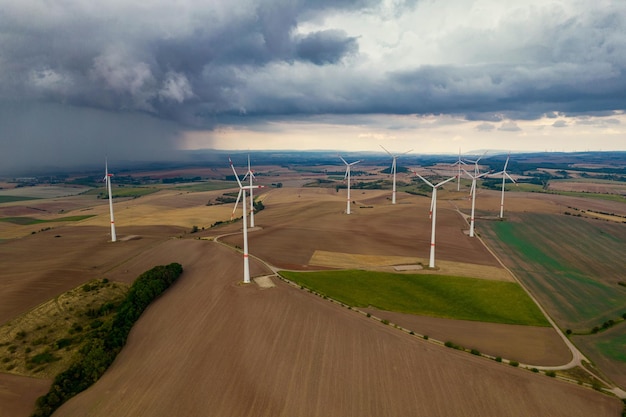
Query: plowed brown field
(213,347)
(292,229)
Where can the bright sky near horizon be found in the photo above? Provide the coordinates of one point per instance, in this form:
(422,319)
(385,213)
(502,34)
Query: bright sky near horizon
(79,79)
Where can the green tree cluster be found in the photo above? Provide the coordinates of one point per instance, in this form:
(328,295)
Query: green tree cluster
(103,345)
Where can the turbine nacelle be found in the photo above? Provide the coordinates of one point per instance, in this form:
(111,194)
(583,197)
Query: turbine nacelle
(348,166)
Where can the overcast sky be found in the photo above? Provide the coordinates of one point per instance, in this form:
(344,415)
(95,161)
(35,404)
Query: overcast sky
(136,80)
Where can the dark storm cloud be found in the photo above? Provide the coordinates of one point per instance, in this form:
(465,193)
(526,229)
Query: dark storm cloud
(326,47)
(43,136)
(194,66)
(204,63)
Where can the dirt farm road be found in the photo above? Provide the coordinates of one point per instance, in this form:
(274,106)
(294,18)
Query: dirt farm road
(577,356)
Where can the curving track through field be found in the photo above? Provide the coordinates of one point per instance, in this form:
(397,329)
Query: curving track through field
(213,347)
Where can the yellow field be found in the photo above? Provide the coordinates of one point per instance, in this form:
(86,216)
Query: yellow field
(355,261)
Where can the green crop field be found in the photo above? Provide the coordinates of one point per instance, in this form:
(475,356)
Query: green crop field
(429,295)
(12,198)
(119,192)
(31,220)
(206,186)
(613,347)
(571,265)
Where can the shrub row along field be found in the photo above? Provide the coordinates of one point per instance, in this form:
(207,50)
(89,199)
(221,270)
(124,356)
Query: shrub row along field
(103,345)
(428,295)
(572,265)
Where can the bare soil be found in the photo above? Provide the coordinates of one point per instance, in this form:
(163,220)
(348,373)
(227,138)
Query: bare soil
(40,266)
(538,346)
(212,346)
(276,351)
(19,393)
(317,221)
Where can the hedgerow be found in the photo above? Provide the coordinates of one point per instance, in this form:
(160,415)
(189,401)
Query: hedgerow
(102,346)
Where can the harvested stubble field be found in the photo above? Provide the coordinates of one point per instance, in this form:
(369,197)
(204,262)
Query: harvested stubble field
(38,267)
(316,221)
(277,350)
(283,351)
(589,186)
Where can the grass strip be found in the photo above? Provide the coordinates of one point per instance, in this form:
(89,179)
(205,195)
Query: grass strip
(25,221)
(428,295)
(12,198)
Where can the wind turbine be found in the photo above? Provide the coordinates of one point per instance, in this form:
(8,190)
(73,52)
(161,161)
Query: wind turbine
(433,211)
(393,171)
(250,175)
(505,175)
(107,179)
(458,164)
(242,191)
(473,194)
(348,166)
(476,163)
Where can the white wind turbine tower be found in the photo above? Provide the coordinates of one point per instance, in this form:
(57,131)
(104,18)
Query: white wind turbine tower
(473,194)
(348,166)
(458,164)
(505,175)
(107,179)
(393,171)
(250,175)
(242,191)
(433,211)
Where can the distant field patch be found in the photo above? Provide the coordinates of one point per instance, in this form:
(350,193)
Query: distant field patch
(12,198)
(613,348)
(205,186)
(24,221)
(43,191)
(428,295)
(121,192)
(571,264)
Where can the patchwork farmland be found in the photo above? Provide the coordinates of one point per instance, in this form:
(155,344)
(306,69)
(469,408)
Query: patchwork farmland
(279,350)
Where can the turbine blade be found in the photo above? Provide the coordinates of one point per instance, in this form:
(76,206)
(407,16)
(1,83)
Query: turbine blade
(232,216)
(509,177)
(424,179)
(432,203)
(443,182)
(344,161)
(234,172)
(481,157)
(386,150)
(506,163)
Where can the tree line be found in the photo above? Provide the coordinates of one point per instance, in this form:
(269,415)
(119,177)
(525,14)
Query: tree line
(103,345)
